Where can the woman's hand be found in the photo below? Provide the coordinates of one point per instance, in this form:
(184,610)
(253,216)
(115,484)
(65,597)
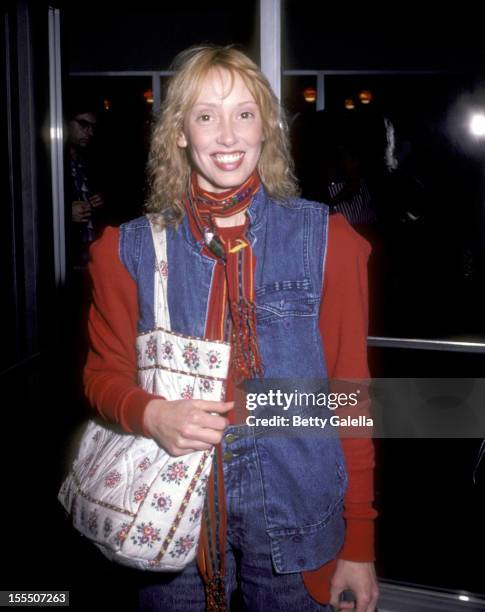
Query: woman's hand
(183,426)
(361,579)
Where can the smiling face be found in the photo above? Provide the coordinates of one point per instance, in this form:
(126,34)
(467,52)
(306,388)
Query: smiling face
(223,132)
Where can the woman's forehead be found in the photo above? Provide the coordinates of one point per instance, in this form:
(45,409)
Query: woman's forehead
(220,84)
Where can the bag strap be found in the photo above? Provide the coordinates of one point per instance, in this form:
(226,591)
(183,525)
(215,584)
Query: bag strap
(159,235)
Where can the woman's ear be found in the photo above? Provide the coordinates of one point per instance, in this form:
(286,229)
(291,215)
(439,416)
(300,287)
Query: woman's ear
(182,141)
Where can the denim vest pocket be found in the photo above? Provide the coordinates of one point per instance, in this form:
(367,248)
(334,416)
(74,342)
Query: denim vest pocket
(277,301)
(307,550)
(303,487)
(287,327)
(303,477)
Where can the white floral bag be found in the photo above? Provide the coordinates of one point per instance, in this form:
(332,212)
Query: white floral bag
(138,504)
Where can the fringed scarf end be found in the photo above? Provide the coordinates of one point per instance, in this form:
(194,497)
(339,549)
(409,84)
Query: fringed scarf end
(215,594)
(247,357)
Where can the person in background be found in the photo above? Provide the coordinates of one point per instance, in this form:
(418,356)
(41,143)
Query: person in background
(348,190)
(84,187)
(85,199)
(332,165)
(252,264)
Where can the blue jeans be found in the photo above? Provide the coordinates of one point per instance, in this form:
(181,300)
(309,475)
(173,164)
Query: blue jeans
(251,582)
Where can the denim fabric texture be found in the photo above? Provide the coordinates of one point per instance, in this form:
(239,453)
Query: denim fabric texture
(251,581)
(303,478)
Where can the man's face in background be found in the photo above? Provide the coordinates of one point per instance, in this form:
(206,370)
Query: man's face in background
(80,130)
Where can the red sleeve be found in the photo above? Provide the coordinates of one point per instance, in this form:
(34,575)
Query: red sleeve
(343,327)
(110,374)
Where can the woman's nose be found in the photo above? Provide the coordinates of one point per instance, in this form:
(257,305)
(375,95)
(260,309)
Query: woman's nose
(227,135)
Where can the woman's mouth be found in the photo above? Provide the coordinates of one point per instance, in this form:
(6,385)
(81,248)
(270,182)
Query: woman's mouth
(228,161)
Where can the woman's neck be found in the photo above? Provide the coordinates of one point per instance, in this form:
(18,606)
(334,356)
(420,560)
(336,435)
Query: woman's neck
(233,221)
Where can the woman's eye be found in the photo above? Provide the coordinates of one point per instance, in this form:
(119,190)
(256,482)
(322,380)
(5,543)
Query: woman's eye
(204,118)
(247,115)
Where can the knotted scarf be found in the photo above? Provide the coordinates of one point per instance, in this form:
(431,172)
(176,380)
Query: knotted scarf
(235,273)
(203,207)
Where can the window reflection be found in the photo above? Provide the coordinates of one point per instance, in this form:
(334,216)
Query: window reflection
(404,171)
(297,95)
(120,146)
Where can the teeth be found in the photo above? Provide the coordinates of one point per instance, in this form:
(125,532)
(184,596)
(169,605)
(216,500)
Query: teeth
(228,158)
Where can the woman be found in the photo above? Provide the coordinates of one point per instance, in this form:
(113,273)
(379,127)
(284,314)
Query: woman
(250,263)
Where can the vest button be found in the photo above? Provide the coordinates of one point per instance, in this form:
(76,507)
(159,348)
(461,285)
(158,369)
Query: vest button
(230,438)
(228,456)
(301,561)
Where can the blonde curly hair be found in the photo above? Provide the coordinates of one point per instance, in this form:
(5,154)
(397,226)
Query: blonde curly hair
(168,165)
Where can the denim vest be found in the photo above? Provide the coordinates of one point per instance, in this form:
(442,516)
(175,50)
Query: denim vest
(303,477)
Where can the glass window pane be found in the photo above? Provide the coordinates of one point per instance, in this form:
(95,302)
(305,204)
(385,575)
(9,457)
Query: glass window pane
(298,94)
(120,144)
(148,36)
(410,142)
(350,36)
(408,156)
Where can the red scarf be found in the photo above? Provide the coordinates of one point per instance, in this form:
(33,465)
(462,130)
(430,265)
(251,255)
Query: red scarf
(202,208)
(236,273)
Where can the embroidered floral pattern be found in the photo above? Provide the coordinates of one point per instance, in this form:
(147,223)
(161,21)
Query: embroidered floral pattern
(187,392)
(191,356)
(120,536)
(151,348)
(167,350)
(195,514)
(140,494)
(93,523)
(112,479)
(176,472)
(201,487)
(163,268)
(146,535)
(107,526)
(182,546)
(161,502)
(144,464)
(223,392)
(214,360)
(206,385)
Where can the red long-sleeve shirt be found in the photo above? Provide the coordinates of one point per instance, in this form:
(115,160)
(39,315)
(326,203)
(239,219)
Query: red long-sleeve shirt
(110,374)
